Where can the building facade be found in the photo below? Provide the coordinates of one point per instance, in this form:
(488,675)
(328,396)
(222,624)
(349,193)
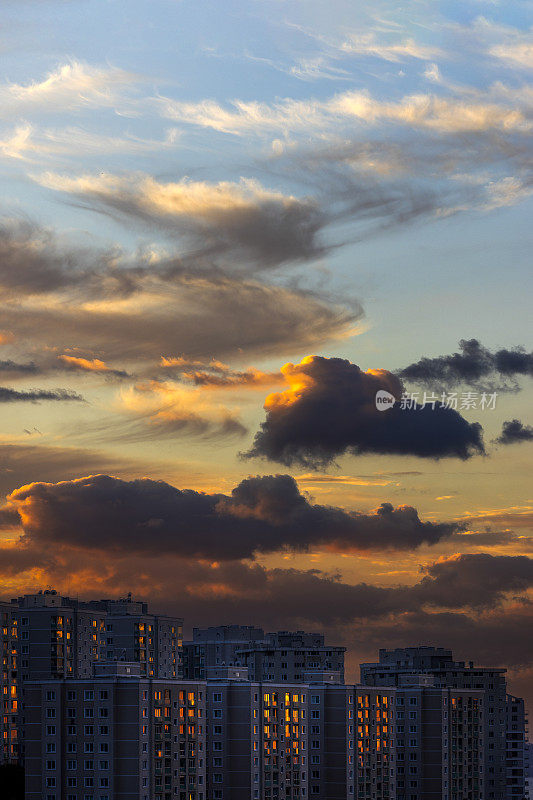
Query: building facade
(402,664)
(284,656)
(10,685)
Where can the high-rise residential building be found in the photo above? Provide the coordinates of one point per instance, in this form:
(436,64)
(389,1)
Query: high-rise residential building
(115,735)
(282,656)
(121,734)
(48,636)
(217,646)
(10,681)
(517,750)
(398,666)
(292,656)
(96,707)
(133,633)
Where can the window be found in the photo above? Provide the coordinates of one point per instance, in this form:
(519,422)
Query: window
(50,713)
(50,730)
(71,695)
(104,694)
(217,697)
(51,764)
(88,694)
(50,695)
(50,747)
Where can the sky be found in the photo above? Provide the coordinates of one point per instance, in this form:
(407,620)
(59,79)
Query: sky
(225,228)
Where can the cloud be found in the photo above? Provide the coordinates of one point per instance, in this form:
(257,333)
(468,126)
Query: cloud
(91,365)
(367,44)
(514,431)
(445,115)
(26,142)
(329,409)
(262,515)
(470,366)
(8,395)
(75,86)
(215,218)
(515,47)
(164,409)
(135,307)
(27,368)
(217,375)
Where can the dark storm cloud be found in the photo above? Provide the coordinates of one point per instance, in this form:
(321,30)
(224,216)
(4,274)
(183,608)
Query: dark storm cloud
(474,580)
(262,514)
(8,395)
(329,409)
(140,307)
(240,592)
(514,432)
(23,369)
(471,366)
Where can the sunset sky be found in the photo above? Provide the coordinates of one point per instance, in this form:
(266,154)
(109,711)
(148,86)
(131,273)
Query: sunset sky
(226,226)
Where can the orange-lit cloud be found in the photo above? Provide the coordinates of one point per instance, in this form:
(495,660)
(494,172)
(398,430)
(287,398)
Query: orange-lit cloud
(214,374)
(91,365)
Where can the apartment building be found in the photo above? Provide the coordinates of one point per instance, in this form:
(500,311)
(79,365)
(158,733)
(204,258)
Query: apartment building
(115,735)
(10,688)
(217,646)
(48,636)
(284,656)
(122,735)
(517,749)
(398,666)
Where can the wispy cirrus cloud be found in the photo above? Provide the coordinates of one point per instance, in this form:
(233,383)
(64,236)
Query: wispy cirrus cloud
(74,86)
(27,142)
(475,113)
